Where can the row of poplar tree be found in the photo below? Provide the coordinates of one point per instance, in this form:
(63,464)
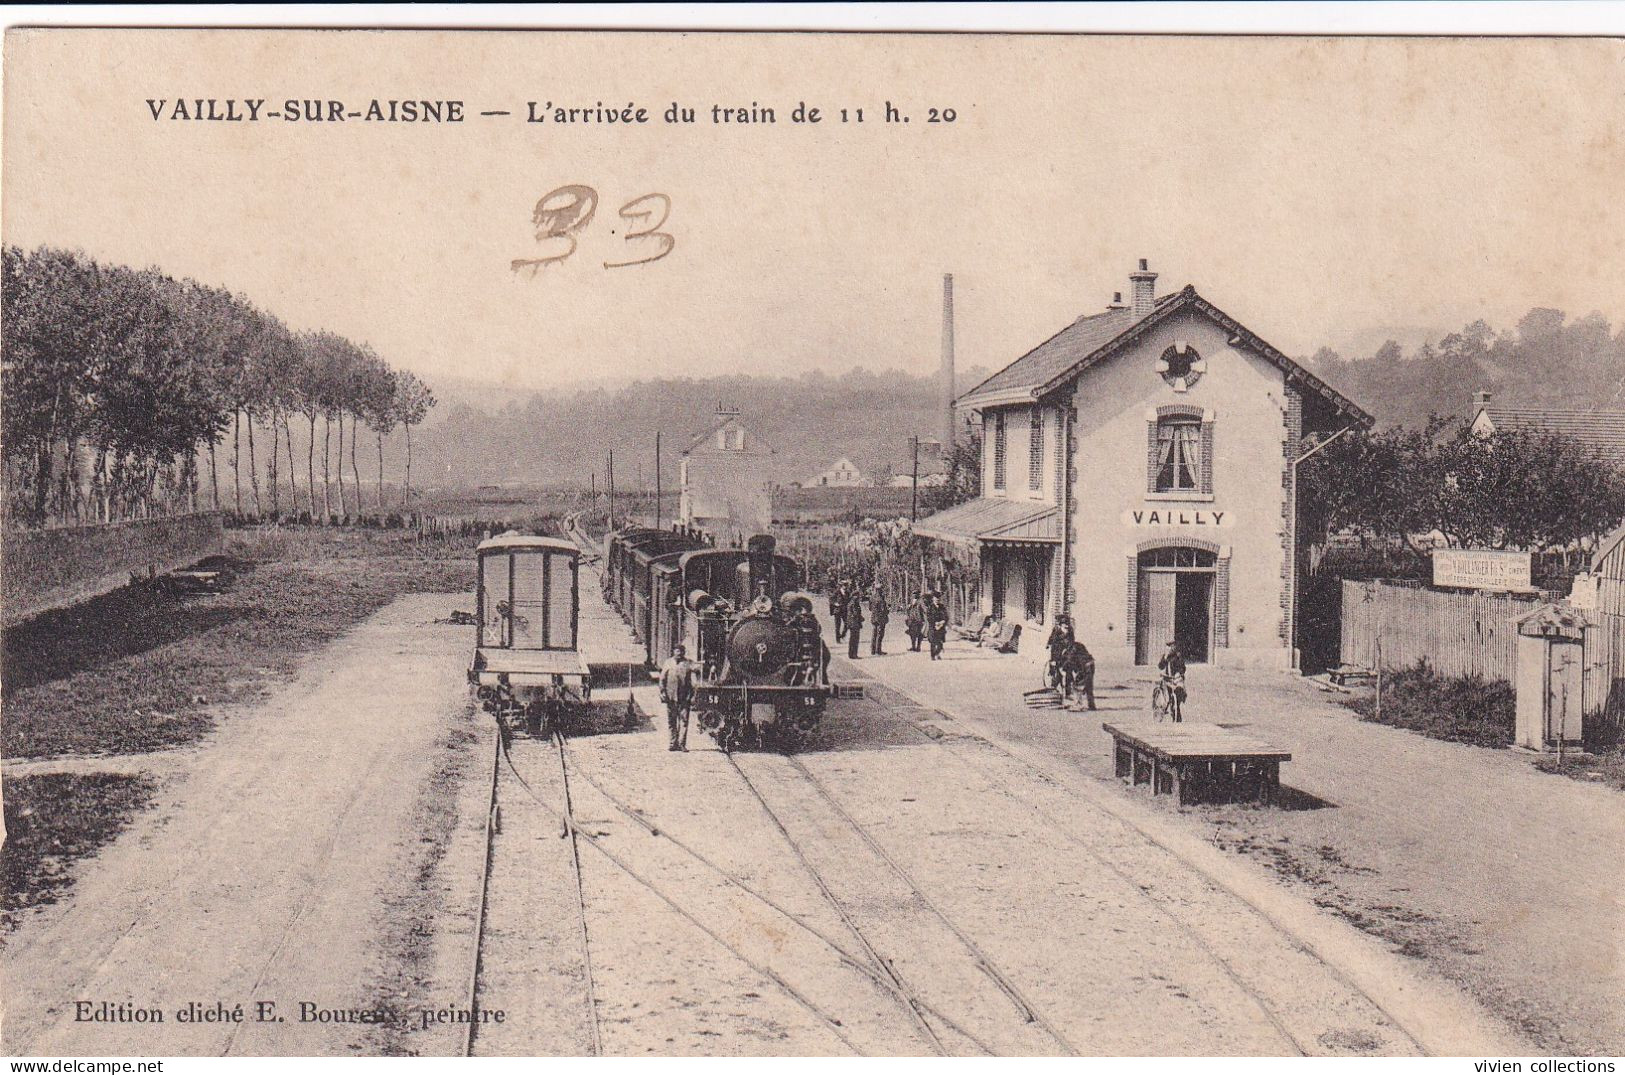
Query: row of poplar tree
(122,385)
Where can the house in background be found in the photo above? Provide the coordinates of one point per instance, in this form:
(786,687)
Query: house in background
(1602,432)
(1139,472)
(724,476)
(927,459)
(843,474)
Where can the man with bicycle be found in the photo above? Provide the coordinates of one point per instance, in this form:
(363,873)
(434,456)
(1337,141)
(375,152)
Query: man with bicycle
(1060,651)
(1169,696)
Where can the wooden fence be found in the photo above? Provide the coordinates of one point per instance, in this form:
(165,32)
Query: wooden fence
(1459,633)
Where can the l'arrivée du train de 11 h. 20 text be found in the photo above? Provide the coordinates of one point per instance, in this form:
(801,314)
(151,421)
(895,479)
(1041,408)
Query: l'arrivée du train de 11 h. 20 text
(417,110)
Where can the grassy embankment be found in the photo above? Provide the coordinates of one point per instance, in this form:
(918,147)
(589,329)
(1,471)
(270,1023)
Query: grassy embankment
(138,671)
(1469,709)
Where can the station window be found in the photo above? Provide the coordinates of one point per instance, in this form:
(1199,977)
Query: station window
(1177,556)
(998,450)
(1035,451)
(1179,454)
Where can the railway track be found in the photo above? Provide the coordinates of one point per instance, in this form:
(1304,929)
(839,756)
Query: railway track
(905,993)
(772,782)
(562,813)
(581,896)
(564,817)
(485,890)
(1264,1005)
(786,810)
(938,945)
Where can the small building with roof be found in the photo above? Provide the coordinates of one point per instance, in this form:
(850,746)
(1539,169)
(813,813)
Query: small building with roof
(725,480)
(1601,432)
(1139,473)
(842,474)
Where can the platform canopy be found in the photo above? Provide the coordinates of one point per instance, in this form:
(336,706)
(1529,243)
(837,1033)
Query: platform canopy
(994,519)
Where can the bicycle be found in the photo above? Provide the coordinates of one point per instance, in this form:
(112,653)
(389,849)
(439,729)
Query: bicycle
(1168,699)
(1059,676)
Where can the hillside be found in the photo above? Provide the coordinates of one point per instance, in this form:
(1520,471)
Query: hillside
(485,434)
(810,421)
(1546,360)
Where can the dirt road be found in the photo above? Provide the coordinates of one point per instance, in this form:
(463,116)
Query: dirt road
(262,875)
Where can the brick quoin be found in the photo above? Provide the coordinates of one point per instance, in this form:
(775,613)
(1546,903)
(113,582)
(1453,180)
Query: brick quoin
(1292,430)
(1132,623)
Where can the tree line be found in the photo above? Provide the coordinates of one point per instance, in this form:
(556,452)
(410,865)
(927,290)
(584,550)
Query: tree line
(122,384)
(1508,489)
(1548,359)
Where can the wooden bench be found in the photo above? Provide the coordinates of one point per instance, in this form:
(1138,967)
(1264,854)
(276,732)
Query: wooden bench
(1007,640)
(1197,762)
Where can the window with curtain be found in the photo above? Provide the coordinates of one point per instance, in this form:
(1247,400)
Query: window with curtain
(1035,451)
(1179,454)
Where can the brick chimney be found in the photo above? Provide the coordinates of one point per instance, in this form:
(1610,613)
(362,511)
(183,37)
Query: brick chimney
(1145,289)
(1117,302)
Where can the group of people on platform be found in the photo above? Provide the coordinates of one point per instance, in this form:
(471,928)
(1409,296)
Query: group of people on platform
(852,607)
(925,619)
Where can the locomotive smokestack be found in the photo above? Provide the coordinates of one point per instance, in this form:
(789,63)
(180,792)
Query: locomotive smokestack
(947,373)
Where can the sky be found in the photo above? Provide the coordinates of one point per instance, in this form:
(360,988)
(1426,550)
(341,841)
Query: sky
(1321,191)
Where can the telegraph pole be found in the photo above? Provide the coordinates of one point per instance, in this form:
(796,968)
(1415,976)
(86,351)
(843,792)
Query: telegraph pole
(914,492)
(610,479)
(657,479)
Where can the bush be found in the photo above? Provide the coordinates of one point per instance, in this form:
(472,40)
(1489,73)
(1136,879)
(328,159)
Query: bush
(1459,709)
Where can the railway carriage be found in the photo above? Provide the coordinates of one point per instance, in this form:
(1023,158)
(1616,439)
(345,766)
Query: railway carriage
(645,559)
(527,663)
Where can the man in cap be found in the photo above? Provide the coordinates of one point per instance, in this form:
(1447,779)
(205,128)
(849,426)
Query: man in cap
(677,692)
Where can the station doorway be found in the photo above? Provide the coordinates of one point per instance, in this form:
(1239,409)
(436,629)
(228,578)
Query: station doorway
(1175,601)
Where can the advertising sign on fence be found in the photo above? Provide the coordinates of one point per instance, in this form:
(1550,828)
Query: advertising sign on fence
(1482,569)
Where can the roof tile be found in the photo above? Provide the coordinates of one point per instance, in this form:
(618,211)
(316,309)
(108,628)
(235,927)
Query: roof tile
(1602,431)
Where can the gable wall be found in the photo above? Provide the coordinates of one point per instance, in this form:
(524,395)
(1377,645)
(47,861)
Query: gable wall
(1245,519)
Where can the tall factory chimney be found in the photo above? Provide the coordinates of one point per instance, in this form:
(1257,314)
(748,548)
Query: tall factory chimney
(947,374)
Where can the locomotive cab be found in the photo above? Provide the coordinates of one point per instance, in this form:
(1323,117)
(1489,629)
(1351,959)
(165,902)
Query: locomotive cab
(526,660)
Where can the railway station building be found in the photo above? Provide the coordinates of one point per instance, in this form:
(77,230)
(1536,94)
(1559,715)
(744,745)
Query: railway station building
(1139,472)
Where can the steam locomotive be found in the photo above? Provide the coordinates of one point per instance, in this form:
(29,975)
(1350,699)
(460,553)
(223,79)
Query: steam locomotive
(762,665)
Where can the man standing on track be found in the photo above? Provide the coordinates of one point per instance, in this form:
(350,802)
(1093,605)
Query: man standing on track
(677,691)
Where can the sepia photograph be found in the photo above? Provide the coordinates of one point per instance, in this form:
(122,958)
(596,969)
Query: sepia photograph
(800,543)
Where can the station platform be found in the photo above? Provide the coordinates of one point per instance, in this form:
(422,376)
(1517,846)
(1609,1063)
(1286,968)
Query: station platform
(611,650)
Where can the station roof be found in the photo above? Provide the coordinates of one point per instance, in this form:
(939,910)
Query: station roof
(1091,340)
